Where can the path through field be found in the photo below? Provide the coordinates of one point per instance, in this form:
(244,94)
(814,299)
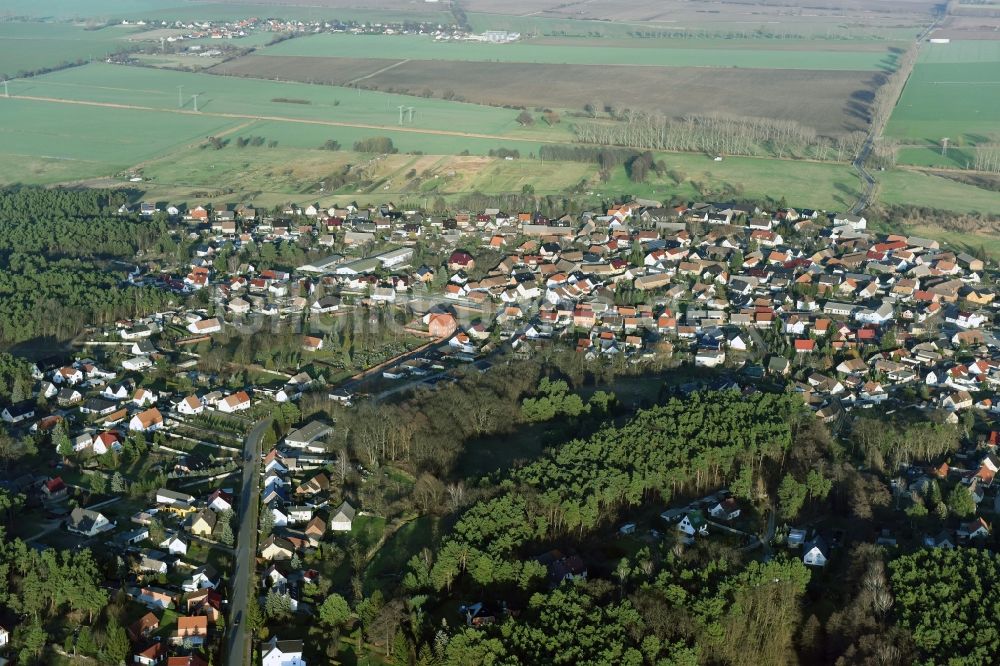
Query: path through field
(377,72)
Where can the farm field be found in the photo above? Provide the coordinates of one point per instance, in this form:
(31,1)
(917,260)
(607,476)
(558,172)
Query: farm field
(28,47)
(268,100)
(952,93)
(425,48)
(831,102)
(48,143)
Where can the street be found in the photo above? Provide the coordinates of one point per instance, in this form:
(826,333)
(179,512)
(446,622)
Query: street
(238,646)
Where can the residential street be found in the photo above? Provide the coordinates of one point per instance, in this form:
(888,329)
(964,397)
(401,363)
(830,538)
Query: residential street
(246,549)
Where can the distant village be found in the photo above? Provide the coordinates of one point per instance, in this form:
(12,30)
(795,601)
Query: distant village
(810,300)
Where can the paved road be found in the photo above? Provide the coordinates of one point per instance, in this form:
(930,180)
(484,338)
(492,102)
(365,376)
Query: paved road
(246,549)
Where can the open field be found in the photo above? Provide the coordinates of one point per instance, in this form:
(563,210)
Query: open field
(28,47)
(831,102)
(158,89)
(953,93)
(47,143)
(922,189)
(425,48)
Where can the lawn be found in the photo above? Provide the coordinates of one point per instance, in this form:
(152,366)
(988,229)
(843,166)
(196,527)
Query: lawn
(951,93)
(28,47)
(424,48)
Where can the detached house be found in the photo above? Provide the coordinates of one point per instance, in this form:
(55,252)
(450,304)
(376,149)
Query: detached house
(146,421)
(234,403)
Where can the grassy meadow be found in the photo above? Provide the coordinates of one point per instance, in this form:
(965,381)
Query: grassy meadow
(425,48)
(28,47)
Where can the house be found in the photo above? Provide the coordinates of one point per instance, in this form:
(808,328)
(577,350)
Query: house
(54,489)
(220,501)
(173,497)
(725,510)
(144,627)
(281,653)
(190,406)
(203,522)
(132,537)
(88,523)
(311,343)
(318,484)
(191,629)
(152,655)
(205,326)
(18,412)
(301,438)
(155,597)
(202,578)
(175,545)
(234,403)
(146,421)
(461,261)
(205,602)
(816,552)
(277,548)
(109,440)
(976,529)
(137,363)
(153,561)
(68,396)
(343,518)
(693,523)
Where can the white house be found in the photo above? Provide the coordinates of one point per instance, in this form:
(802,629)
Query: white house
(725,510)
(173,497)
(281,653)
(137,363)
(146,421)
(205,326)
(343,518)
(693,523)
(816,553)
(175,545)
(87,522)
(234,403)
(190,406)
(18,412)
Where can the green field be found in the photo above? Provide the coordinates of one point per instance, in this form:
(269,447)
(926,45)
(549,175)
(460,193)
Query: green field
(802,184)
(425,48)
(115,84)
(952,93)
(28,47)
(48,143)
(920,189)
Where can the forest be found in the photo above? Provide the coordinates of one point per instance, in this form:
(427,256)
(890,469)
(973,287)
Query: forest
(45,289)
(713,602)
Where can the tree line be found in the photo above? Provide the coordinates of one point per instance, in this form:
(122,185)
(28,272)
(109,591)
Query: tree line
(718,134)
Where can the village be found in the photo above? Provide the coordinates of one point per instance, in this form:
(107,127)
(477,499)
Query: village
(805,301)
